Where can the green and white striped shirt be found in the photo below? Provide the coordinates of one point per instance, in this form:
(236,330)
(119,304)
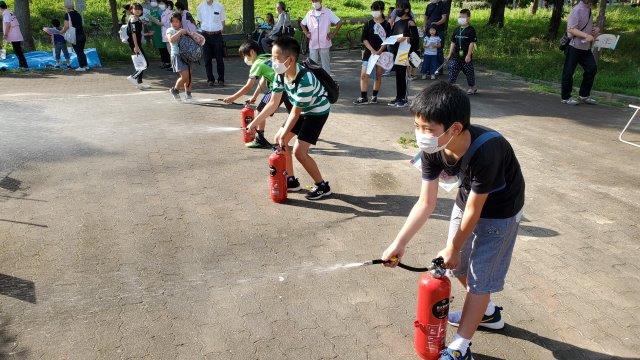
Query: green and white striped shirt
(309,94)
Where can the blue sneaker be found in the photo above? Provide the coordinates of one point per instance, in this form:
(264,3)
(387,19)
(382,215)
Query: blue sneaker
(448,354)
(493,321)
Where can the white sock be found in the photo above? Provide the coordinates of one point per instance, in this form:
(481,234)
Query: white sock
(459,343)
(491,308)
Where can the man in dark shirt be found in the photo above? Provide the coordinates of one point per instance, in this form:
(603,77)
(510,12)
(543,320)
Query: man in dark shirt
(485,219)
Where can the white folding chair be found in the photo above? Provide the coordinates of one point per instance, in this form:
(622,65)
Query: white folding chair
(627,126)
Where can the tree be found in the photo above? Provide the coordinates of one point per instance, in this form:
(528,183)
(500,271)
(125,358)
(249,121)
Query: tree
(556,16)
(602,8)
(22,12)
(534,6)
(496,17)
(115,22)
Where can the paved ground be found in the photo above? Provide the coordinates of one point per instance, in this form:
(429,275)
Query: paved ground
(132,226)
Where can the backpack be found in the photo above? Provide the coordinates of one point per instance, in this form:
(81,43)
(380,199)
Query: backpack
(330,86)
(124,33)
(190,51)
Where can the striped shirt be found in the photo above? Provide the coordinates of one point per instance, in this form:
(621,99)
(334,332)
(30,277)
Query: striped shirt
(308,95)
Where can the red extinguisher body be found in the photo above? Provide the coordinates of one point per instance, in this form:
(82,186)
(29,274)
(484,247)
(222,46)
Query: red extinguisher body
(278,176)
(434,293)
(246,117)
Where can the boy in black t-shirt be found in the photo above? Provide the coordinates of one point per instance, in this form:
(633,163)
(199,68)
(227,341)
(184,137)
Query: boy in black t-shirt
(373,33)
(486,215)
(463,42)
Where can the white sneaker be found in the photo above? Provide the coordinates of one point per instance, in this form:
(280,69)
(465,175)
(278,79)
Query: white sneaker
(132,80)
(571,101)
(433,77)
(587,100)
(423,77)
(80,69)
(143,86)
(493,321)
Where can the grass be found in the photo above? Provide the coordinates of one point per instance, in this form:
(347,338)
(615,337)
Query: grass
(519,48)
(408,140)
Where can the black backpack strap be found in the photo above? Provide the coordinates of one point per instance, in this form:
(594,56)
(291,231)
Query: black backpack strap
(475,145)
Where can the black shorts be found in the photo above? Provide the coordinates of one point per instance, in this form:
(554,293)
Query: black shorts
(265,100)
(308,127)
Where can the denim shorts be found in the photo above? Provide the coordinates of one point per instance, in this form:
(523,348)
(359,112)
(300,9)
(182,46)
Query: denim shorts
(486,255)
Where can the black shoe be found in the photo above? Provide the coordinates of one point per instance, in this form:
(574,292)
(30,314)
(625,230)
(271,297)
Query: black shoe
(319,191)
(360,101)
(373,100)
(393,103)
(175,93)
(293,184)
(211,83)
(220,83)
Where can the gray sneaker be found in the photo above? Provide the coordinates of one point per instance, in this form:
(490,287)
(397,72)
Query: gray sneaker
(175,93)
(587,100)
(571,101)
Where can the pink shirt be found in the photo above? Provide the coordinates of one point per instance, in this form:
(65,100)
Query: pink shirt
(580,19)
(14,34)
(319,23)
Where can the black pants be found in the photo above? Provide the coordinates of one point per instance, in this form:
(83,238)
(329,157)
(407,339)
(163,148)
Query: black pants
(214,48)
(572,58)
(139,74)
(78,48)
(164,55)
(401,82)
(17,49)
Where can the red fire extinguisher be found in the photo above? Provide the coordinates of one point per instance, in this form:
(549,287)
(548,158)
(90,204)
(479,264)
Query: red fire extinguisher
(434,291)
(278,176)
(246,117)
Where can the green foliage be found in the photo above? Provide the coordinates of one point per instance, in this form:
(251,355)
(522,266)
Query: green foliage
(354,4)
(475,5)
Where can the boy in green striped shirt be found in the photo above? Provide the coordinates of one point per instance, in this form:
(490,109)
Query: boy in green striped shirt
(308,115)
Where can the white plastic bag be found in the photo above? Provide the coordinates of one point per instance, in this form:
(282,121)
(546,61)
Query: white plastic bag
(139,62)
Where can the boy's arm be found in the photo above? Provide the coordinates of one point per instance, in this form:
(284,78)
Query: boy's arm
(470,217)
(269,109)
(417,218)
(292,119)
(261,86)
(243,90)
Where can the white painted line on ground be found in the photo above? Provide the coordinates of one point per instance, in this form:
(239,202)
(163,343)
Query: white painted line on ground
(43,97)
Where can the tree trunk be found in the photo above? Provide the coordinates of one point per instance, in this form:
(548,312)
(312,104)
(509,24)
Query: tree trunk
(248,16)
(534,7)
(556,16)
(602,8)
(496,17)
(115,21)
(21,10)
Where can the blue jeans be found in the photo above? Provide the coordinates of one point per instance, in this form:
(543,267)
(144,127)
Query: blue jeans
(486,255)
(429,64)
(62,47)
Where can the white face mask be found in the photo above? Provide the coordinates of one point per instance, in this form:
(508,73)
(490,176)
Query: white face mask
(278,67)
(462,21)
(317,5)
(162,6)
(153,4)
(376,14)
(429,144)
(248,61)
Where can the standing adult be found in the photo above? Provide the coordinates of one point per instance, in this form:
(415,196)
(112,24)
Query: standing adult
(281,27)
(404,26)
(73,19)
(582,33)
(437,15)
(212,18)
(155,21)
(11,33)
(316,26)
(166,6)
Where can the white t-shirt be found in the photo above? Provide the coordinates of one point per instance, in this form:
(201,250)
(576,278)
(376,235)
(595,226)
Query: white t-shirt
(211,16)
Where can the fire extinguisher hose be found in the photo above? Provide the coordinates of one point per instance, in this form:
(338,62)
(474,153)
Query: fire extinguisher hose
(437,263)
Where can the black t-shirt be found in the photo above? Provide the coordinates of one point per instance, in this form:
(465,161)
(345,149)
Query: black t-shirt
(76,22)
(402,27)
(492,169)
(370,32)
(462,37)
(135,28)
(434,14)
(446,10)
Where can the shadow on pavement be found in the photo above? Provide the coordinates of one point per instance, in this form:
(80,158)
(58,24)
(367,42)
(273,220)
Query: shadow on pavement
(559,349)
(8,342)
(374,206)
(18,288)
(359,152)
(535,231)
